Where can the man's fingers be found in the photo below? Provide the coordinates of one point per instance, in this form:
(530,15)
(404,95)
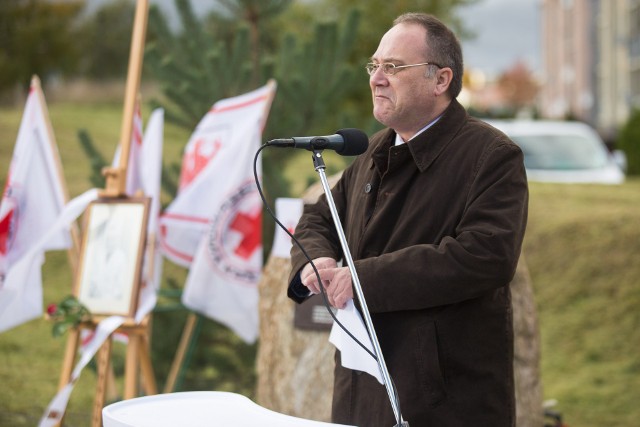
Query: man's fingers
(320,263)
(327,274)
(335,280)
(311,280)
(340,300)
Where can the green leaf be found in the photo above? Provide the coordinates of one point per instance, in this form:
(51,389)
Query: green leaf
(60,328)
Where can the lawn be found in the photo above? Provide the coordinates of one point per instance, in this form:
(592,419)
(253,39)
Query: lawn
(583,251)
(582,248)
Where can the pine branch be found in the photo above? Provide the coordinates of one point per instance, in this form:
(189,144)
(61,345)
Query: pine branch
(96,159)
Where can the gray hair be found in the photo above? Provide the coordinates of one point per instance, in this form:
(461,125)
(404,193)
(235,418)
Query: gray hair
(443,44)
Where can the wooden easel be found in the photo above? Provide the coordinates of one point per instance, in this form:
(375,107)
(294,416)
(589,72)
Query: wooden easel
(138,360)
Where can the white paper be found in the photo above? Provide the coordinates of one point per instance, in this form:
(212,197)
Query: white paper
(352,354)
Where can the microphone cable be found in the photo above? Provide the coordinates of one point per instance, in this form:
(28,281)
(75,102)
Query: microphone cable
(304,252)
(315,270)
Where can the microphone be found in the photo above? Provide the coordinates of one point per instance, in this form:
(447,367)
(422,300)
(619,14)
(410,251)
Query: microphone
(346,142)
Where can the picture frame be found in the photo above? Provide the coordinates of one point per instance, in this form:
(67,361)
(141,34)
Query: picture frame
(112,253)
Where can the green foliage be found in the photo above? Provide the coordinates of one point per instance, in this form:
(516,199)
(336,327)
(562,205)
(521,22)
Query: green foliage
(35,38)
(259,16)
(219,360)
(225,56)
(253,10)
(378,16)
(96,159)
(194,68)
(314,80)
(205,64)
(69,313)
(629,142)
(104,39)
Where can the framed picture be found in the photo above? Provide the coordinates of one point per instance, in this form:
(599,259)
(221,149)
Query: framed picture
(113,244)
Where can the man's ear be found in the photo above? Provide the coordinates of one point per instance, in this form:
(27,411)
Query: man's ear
(443,80)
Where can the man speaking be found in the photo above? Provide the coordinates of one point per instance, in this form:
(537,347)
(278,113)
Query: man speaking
(434,213)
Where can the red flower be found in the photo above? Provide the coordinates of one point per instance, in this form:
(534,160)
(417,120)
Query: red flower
(51,309)
(69,313)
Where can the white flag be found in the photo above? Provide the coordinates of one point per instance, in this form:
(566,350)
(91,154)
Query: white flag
(21,295)
(214,224)
(288,212)
(150,168)
(134,166)
(144,171)
(33,197)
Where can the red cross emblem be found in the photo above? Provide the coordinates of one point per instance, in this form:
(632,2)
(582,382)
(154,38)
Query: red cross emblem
(250,226)
(5,231)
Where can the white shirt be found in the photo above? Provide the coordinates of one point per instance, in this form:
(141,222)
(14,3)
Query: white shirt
(399,139)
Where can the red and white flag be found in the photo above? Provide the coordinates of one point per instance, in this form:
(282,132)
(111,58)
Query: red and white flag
(145,164)
(144,171)
(33,197)
(134,166)
(214,224)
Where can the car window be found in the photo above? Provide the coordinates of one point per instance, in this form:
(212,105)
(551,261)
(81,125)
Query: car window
(561,152)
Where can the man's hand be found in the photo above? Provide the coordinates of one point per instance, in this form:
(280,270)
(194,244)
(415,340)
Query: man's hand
(339,289)
(335,280)
(308,276)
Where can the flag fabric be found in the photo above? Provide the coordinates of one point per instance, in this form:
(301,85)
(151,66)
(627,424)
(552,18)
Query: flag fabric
(144,171)
(150,173)
(288,212)
(21,295)
(214,224)
(134,166)
(33,197)
(52,416)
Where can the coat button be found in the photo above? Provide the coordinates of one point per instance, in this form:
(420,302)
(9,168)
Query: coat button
(367,188)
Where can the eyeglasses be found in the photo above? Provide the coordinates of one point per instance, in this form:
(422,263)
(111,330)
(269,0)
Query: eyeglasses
(389,69)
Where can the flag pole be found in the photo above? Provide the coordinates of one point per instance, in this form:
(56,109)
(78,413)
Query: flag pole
(74,251)
(272,84)
(116,178)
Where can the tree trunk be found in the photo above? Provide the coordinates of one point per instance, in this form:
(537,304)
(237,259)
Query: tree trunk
(295,366)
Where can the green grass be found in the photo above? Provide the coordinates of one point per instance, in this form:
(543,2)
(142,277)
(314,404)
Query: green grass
(582,248)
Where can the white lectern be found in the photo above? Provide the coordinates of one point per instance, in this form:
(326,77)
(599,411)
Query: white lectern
(198,409)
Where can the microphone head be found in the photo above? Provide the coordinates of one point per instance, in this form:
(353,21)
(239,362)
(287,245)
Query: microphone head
(355,142)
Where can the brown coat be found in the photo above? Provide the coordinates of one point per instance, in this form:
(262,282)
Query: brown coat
(435,228)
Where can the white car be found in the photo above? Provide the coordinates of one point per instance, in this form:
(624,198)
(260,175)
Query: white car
(564,152)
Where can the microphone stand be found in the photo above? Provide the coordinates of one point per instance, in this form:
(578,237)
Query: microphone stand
(320,167)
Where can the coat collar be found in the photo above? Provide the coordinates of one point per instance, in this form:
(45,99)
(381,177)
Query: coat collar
(427,146)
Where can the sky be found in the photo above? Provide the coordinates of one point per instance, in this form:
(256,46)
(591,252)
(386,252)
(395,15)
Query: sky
(507,31)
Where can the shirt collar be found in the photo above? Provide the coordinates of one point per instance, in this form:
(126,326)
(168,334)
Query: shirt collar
(399,139)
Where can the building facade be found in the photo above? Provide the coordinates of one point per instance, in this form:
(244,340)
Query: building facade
(591,61)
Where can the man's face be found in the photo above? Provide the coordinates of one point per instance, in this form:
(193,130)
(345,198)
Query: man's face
(405,101)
